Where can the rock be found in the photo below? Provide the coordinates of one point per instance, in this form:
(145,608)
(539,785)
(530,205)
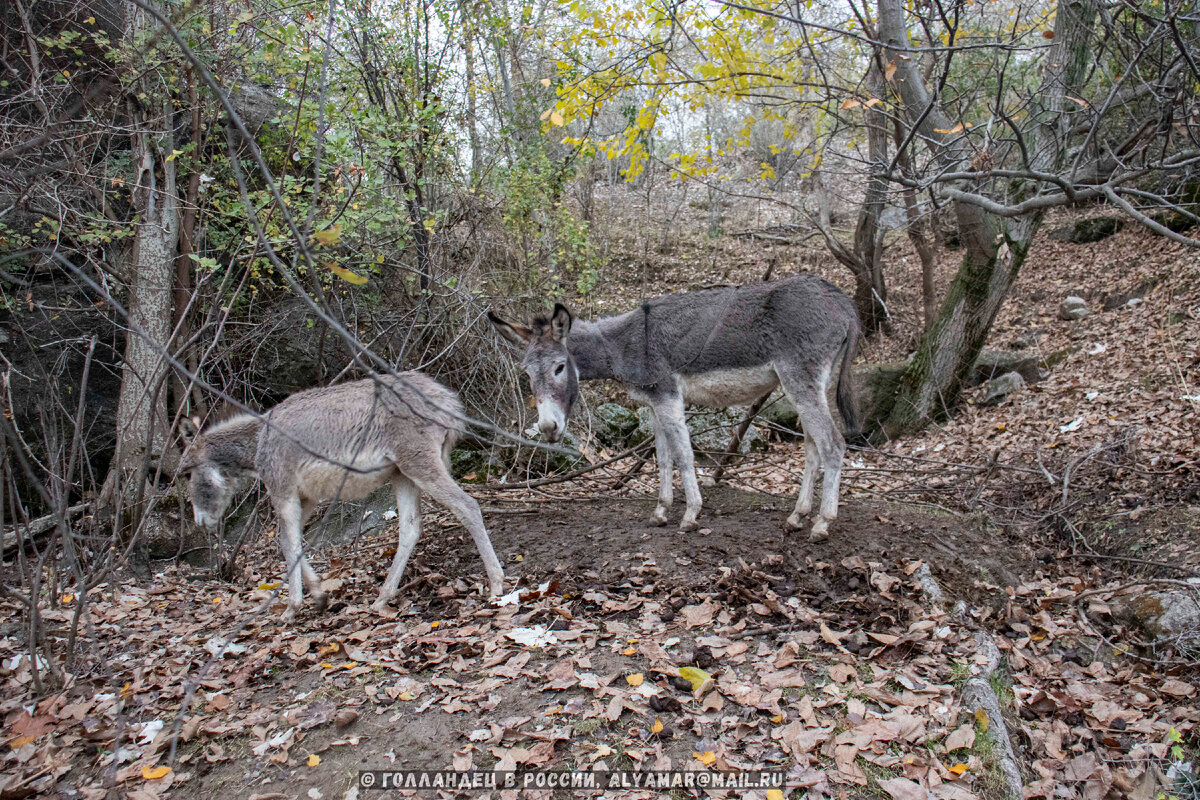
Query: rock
(709,429)
(464,462)
(613,424)
(1073,308)
(779,416)
(1001,387)
(995,363)
(1164,615)
(1086,231)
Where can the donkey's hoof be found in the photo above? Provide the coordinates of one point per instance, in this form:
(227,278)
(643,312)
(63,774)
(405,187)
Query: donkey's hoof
(820,531)
(289,616)
(380,607)
(658,518)
(688,525)
(321,602)
(496,589)
(792,523)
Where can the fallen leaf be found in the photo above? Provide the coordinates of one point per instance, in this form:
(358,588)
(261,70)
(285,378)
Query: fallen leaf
(155,773)
(981,718)
(695,676)
(635,679)
(313,759)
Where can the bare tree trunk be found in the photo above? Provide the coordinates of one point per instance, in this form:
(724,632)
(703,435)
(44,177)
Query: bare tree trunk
(472,100)
(870,291)
(918,234)
(995,248)
(142,404)
(184,264)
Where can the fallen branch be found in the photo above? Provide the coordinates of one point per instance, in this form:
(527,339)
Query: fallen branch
(573,474)
(39,527)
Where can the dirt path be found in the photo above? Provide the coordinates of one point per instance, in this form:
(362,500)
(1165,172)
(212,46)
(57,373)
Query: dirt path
(821,661)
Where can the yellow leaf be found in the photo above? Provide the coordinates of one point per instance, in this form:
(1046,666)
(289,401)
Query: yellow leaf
(519,558)
(635,679)
(556,118)
(958,769)
(406,695)
(873,101)
(955,129)
(657,726)
(695,676)
(778,718)
(545,114)
(850,102)
(329,236)
(313,759)
(155,773)
(774,794)
(266,587)
(90,20)
(21,741)
(705,758)
(889,70)
(328,649)
(434,624)
(68,598)
(981,719)
(545,81)
(345,274)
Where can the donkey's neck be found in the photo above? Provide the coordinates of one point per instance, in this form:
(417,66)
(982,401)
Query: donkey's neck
(237,439)
(590,350)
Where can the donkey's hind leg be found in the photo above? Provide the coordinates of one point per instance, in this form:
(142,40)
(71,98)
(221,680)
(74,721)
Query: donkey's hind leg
(438,484)
(408,513)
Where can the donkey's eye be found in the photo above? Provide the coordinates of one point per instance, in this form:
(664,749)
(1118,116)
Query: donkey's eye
(559,369)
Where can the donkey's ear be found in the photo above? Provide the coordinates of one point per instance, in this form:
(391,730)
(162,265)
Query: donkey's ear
(560,322)
(189,429)
(517,334)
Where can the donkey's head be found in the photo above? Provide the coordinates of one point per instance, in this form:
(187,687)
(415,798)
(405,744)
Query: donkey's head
(549,365)
(217,469)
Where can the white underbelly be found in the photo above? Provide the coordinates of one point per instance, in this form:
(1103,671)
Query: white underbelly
(728,387)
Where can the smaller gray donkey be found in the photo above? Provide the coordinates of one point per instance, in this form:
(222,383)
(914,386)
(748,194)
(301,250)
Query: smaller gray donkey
(341,442)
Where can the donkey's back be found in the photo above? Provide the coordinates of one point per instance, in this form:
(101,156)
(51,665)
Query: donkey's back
(347,440)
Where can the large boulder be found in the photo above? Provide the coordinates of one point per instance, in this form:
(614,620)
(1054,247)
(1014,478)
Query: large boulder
(710,429)
(995,363)
(613,424)
(1072,308)
(1165,616)
(1000,387)
(1086,231)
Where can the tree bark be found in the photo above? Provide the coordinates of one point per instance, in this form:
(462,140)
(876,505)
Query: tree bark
(870,290)
(142,403)
(472,100)
(995,247)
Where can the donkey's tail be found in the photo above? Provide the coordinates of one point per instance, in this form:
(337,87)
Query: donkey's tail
(845,385)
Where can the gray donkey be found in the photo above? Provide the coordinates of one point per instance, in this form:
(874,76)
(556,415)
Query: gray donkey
(717,347)
(341,442)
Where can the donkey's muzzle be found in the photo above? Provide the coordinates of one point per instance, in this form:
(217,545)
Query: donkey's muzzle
(550,431)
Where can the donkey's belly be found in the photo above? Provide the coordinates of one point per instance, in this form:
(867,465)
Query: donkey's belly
(325,481)
(728,387)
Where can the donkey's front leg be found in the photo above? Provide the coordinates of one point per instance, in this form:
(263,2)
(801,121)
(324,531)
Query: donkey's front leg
(311,579)
(669,419)
(290,515)
(666,483)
